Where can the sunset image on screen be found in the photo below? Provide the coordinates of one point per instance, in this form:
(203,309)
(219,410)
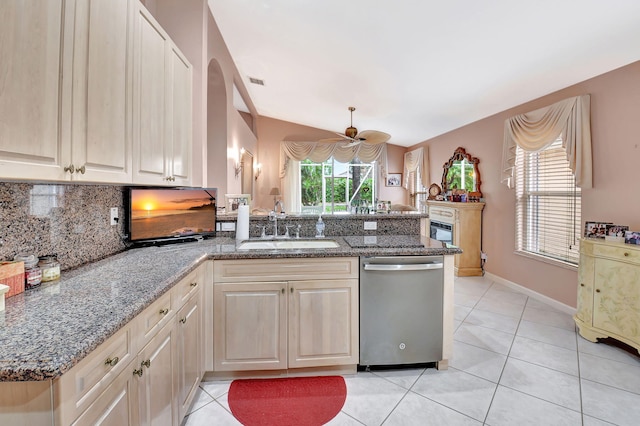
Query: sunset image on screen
(169,213)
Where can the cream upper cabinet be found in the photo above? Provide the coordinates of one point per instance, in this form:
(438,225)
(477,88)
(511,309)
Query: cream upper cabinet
(608,302)
(102,69)
(33,142)
(161,106)
(274,314)
(65,104)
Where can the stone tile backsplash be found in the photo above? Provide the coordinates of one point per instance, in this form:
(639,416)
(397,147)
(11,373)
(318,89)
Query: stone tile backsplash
(71,221)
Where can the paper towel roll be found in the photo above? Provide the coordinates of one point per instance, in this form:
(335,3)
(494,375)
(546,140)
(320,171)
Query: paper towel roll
(242,226)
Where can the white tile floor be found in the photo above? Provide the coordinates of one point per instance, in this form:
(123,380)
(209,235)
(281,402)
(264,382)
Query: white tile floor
(516,361)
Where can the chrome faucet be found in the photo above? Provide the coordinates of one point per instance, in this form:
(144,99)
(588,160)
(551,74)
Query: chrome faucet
(273,217)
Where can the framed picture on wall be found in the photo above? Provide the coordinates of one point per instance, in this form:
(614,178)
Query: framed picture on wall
(394,179)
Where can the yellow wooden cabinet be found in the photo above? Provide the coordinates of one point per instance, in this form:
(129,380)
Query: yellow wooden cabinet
(466,221)
(277,314)
(608,291)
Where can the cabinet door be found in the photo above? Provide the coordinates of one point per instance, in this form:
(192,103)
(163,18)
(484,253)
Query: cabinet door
(178,117)
(323,323)
(149,99)
(617,300)
(585,289)
(250,326)
(101,134)
(156,386)
(115,405)
(189,352)
(32,143)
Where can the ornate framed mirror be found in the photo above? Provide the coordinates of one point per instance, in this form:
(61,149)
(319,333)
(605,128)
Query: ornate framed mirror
(461,172)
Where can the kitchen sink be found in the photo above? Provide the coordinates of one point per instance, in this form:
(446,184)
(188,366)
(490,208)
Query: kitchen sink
(286,244)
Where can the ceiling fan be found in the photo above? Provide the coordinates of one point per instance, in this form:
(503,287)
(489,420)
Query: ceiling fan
(352,136)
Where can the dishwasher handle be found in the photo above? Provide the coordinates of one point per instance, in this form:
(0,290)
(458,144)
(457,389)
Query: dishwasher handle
(402,267)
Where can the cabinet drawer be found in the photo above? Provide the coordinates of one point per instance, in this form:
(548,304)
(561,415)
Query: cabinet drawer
(442,214)
(154,318)
(91,376)
(626,253)
(285,269)
(188,286)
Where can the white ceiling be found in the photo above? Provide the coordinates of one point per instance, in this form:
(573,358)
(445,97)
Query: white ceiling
(419,68)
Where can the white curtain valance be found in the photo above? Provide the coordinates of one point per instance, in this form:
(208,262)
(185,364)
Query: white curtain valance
(322,151)
(536,130)
(418,158)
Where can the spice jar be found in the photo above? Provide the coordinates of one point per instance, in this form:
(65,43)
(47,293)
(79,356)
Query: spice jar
(32,272)
(50,268)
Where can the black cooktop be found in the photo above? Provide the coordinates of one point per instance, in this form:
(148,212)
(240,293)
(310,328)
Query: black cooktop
(383,241)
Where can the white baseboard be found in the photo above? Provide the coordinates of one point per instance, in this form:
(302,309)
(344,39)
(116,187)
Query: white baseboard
(540,297)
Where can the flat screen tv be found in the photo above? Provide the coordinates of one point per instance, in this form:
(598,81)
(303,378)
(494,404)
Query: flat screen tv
(168,215)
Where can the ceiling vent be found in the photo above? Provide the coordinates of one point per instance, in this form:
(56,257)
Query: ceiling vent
(256,81)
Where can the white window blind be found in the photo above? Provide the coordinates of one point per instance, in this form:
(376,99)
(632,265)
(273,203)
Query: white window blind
(548,204)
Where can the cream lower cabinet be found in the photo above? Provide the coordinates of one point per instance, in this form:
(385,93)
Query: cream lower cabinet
(147,373)
(277,314)
(156,380)
(608,292)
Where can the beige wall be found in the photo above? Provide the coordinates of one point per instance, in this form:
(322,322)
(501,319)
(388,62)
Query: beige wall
(615,126)
(271,132)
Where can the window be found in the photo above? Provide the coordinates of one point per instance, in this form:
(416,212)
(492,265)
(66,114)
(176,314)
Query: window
(547,205)
(332,186)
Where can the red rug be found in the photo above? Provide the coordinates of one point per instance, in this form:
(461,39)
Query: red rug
(297,401)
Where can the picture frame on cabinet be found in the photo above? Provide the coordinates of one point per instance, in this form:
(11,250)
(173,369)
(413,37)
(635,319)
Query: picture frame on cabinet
(235,200)
(393,179)
(595,229)
(632,237)
(616,230)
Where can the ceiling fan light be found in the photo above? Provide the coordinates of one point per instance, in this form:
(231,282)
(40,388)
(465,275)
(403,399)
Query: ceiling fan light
(351,132)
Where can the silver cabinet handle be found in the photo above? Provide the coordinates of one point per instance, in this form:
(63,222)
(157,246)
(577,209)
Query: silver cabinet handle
(405,267)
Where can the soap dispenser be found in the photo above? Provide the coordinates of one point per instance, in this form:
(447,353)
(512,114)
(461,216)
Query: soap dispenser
(320,228)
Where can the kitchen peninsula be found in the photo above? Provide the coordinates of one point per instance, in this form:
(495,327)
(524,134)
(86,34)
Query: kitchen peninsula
(50,333)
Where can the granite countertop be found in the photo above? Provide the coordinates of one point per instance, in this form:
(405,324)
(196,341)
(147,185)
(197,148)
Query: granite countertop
(45,331)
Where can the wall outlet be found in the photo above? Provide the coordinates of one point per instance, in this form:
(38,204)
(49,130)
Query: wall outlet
(227,226)
(370,226)
(483,255)
(114,216)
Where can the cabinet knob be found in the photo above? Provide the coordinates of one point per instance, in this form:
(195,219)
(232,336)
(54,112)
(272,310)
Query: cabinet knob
(193,284)
(70,169)
(137,372)
(170,178)
(81,170)
(183,320)
(597,290)
(581,285)
(164,311)
(282,290)
(112,361)
(146,363)
(291,290)
(626,254)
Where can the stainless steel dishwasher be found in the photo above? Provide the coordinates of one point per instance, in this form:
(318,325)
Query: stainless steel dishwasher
(400,310)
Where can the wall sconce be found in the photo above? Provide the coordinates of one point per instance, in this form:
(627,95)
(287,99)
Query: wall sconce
(257,170)
(240,164)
